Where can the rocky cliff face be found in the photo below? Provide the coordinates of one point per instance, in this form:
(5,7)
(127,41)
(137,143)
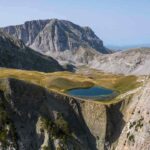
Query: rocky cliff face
(14,54)
(59,38)
(36,119)
(26,32)
(135,134)
(33,118)
(59,35)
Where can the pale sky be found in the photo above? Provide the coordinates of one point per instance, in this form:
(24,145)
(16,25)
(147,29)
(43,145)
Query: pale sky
(116,22)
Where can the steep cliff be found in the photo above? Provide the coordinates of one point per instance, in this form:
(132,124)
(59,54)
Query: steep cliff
(28,31)
(135,134)
(36,118)
(56,35)
(33,118)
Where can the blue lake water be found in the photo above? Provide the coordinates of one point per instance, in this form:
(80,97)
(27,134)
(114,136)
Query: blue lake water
(93,92)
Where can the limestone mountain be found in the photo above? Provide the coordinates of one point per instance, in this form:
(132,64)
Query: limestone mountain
(28,31)
(61,39)
(75,45)
(14,54)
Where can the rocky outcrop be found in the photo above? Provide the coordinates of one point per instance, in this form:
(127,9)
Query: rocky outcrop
(28,31)
(60,39)
(135,134)
(47,120)
(60,35)
(14,54)
(37,119)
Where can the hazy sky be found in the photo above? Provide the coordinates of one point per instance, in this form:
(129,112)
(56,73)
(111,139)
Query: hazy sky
(116,22)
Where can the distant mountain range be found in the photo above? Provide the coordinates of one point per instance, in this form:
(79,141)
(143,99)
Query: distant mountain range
(116,48)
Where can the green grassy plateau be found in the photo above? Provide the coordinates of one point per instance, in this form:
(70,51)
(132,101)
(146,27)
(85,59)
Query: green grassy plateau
(62,81)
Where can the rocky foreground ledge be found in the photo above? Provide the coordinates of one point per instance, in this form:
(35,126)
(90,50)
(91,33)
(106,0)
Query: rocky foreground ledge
(33,118)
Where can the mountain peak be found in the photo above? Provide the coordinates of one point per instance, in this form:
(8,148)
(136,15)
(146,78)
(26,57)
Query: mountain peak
(61,39)
(59,35)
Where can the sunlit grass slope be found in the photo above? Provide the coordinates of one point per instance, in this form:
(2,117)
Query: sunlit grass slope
(62,81)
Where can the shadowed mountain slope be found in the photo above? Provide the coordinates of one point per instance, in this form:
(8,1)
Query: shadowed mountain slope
(14,54)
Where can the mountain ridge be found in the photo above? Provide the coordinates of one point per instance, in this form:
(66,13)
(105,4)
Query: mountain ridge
(69,43)
(61,39)
(14,54)
(41,24)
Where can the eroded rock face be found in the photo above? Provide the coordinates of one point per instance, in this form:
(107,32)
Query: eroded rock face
(56,35)
(28,31)
(96,119)
(38,119)
(48,120)
(136,132)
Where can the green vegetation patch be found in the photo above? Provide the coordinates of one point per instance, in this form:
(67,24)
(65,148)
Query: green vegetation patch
(7,129)
(58,128)
(131,138)
(66,84)
(60,82)
(139,124)
(126,83)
